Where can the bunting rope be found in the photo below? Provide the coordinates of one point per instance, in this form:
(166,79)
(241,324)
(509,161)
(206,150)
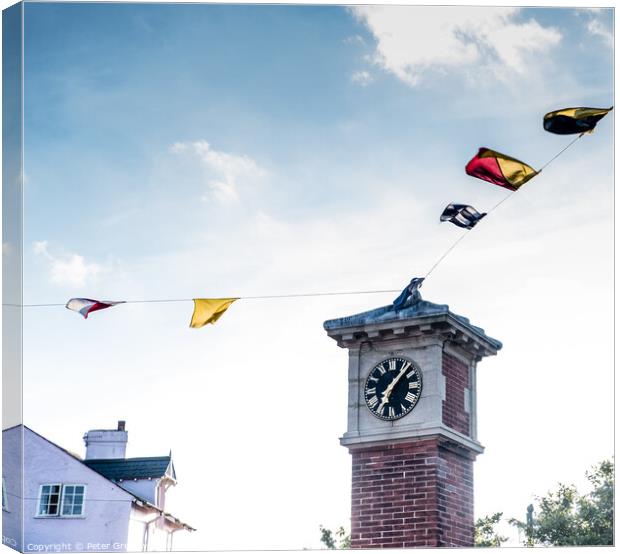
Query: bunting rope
(511,193)
(562,151)
(263,297)
(319,294)
(447,252)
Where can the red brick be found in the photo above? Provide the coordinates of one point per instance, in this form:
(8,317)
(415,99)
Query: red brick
(456,373)
(430,504)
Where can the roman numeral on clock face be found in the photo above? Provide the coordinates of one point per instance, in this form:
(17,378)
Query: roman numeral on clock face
(410,397)
(373,401)
(392,364)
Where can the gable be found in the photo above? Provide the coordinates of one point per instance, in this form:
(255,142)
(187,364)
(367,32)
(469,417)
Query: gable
(46,462)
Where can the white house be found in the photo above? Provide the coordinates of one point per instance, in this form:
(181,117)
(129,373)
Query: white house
(58,502)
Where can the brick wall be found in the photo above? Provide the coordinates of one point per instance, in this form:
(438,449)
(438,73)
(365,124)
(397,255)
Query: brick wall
(456,373)
(413,494)
(456,498)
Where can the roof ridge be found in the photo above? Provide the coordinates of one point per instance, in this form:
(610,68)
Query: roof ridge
(129,459)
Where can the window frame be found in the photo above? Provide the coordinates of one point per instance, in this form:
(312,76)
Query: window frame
(40,497)
(61,501)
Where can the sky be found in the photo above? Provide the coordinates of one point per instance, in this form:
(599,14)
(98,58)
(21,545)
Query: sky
(181,151)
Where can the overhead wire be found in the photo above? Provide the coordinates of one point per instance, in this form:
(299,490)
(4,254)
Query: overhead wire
(318,294)
(261,297)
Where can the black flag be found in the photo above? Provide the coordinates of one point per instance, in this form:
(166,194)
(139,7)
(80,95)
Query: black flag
(461,215)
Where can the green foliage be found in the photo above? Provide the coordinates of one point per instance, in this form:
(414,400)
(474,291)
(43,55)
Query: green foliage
(567,518)
(484,531)
(328,538)
(345,540)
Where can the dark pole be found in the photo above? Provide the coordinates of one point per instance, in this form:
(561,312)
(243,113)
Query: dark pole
(529,526)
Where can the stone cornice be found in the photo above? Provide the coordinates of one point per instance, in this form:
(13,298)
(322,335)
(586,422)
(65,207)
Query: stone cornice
(443,325)
(448,437)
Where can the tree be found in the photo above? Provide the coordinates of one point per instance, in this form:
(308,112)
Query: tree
(567,518)
(484,531)
(328,538)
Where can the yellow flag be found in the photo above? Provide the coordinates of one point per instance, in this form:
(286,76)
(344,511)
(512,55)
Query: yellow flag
(209,310)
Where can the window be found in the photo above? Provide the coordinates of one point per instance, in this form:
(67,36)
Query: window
(49,500)
(72,500)
(61,500)
(5,500)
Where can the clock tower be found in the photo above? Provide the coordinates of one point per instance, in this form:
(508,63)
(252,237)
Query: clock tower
(411,425)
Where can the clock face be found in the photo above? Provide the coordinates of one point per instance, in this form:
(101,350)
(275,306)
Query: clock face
(393,388)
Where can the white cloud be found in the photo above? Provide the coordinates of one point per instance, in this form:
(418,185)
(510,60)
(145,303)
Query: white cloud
(413,42)
(356,40)
(362,78)
(68,269)
(225,171)
(597,28)
(40,247)
(179,147)
(269,227)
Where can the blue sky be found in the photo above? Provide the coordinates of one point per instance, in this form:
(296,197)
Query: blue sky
(110,87)
(174,151)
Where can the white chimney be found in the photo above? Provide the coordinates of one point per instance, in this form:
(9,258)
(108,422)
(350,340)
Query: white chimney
(106,444)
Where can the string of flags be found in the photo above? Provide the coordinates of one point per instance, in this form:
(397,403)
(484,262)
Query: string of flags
(488,165)
(510,173)
(206,310)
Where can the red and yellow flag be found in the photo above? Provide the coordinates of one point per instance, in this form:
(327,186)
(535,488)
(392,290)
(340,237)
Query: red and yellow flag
(499,169)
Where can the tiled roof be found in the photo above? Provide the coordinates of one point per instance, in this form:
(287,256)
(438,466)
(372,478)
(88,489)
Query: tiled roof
(117,469)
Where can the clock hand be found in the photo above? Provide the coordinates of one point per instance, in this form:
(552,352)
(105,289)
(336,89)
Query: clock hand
(383,403)
(385,397)
(388,391)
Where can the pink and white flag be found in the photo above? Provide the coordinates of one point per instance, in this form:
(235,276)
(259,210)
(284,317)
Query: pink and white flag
(86,305)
